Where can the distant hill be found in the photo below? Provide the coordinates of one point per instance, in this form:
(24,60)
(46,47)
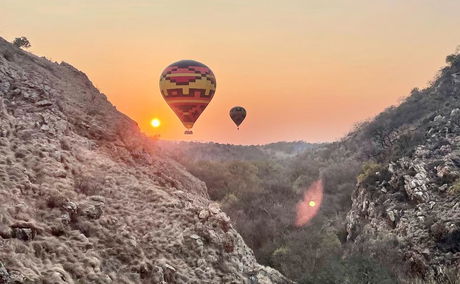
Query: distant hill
(227,152)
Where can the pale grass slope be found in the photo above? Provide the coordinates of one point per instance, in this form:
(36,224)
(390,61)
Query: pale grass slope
(86,198)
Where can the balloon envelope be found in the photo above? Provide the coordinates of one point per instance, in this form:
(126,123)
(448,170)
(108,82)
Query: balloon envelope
(187,86)
(238,114)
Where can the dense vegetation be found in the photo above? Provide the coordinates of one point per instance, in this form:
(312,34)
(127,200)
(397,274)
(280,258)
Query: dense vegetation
(261,194)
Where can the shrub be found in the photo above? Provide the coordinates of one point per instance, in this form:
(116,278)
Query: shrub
(89,185)
(438,231)
(229,200)
(369,173)
(280,251)
(407,143)
(454,189)
(215,175)
(450,242)
(21,42)
(362,269)
(453,59)
(55,199)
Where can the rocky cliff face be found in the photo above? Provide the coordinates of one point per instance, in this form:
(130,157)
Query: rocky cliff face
(407,209)
(86,198)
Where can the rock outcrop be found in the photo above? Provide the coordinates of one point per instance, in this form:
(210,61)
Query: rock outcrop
(86,198)
(409,207)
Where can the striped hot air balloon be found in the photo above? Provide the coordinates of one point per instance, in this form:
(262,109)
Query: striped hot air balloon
(187,86)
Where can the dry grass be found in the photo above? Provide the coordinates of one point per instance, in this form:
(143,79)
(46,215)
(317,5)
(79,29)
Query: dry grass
(87,199)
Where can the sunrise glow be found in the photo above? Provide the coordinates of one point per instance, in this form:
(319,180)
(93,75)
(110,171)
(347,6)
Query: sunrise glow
(155,122)
(303,70)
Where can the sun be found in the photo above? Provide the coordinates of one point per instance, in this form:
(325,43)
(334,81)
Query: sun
(155,122)
(312,203)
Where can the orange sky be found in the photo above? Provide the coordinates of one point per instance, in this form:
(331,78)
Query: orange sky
(304,70)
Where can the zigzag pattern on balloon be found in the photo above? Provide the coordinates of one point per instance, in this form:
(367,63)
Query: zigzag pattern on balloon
(187,86)
(188,113)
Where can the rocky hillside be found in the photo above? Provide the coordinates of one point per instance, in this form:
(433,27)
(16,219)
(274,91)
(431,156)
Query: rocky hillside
(86,198)
(406,208)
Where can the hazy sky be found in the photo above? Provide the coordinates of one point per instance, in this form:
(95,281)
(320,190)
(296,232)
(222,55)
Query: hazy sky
(304,70)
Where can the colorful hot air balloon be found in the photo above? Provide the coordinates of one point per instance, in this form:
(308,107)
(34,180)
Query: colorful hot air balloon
(238,114)
(187,86)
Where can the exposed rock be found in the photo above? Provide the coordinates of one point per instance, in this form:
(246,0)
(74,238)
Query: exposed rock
(214,208)
(439,118)
(4,275)
(70,207)
(44,103)
(25,234)
(203,214)
(91,210)
(414,214)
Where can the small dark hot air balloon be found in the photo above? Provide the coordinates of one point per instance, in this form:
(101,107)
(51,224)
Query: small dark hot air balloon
(187,86)
(238,114)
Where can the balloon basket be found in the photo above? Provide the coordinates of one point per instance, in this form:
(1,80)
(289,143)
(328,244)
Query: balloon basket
(188,132)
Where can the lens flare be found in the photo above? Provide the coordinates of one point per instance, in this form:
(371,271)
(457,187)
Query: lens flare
(309,206)
(155,122)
